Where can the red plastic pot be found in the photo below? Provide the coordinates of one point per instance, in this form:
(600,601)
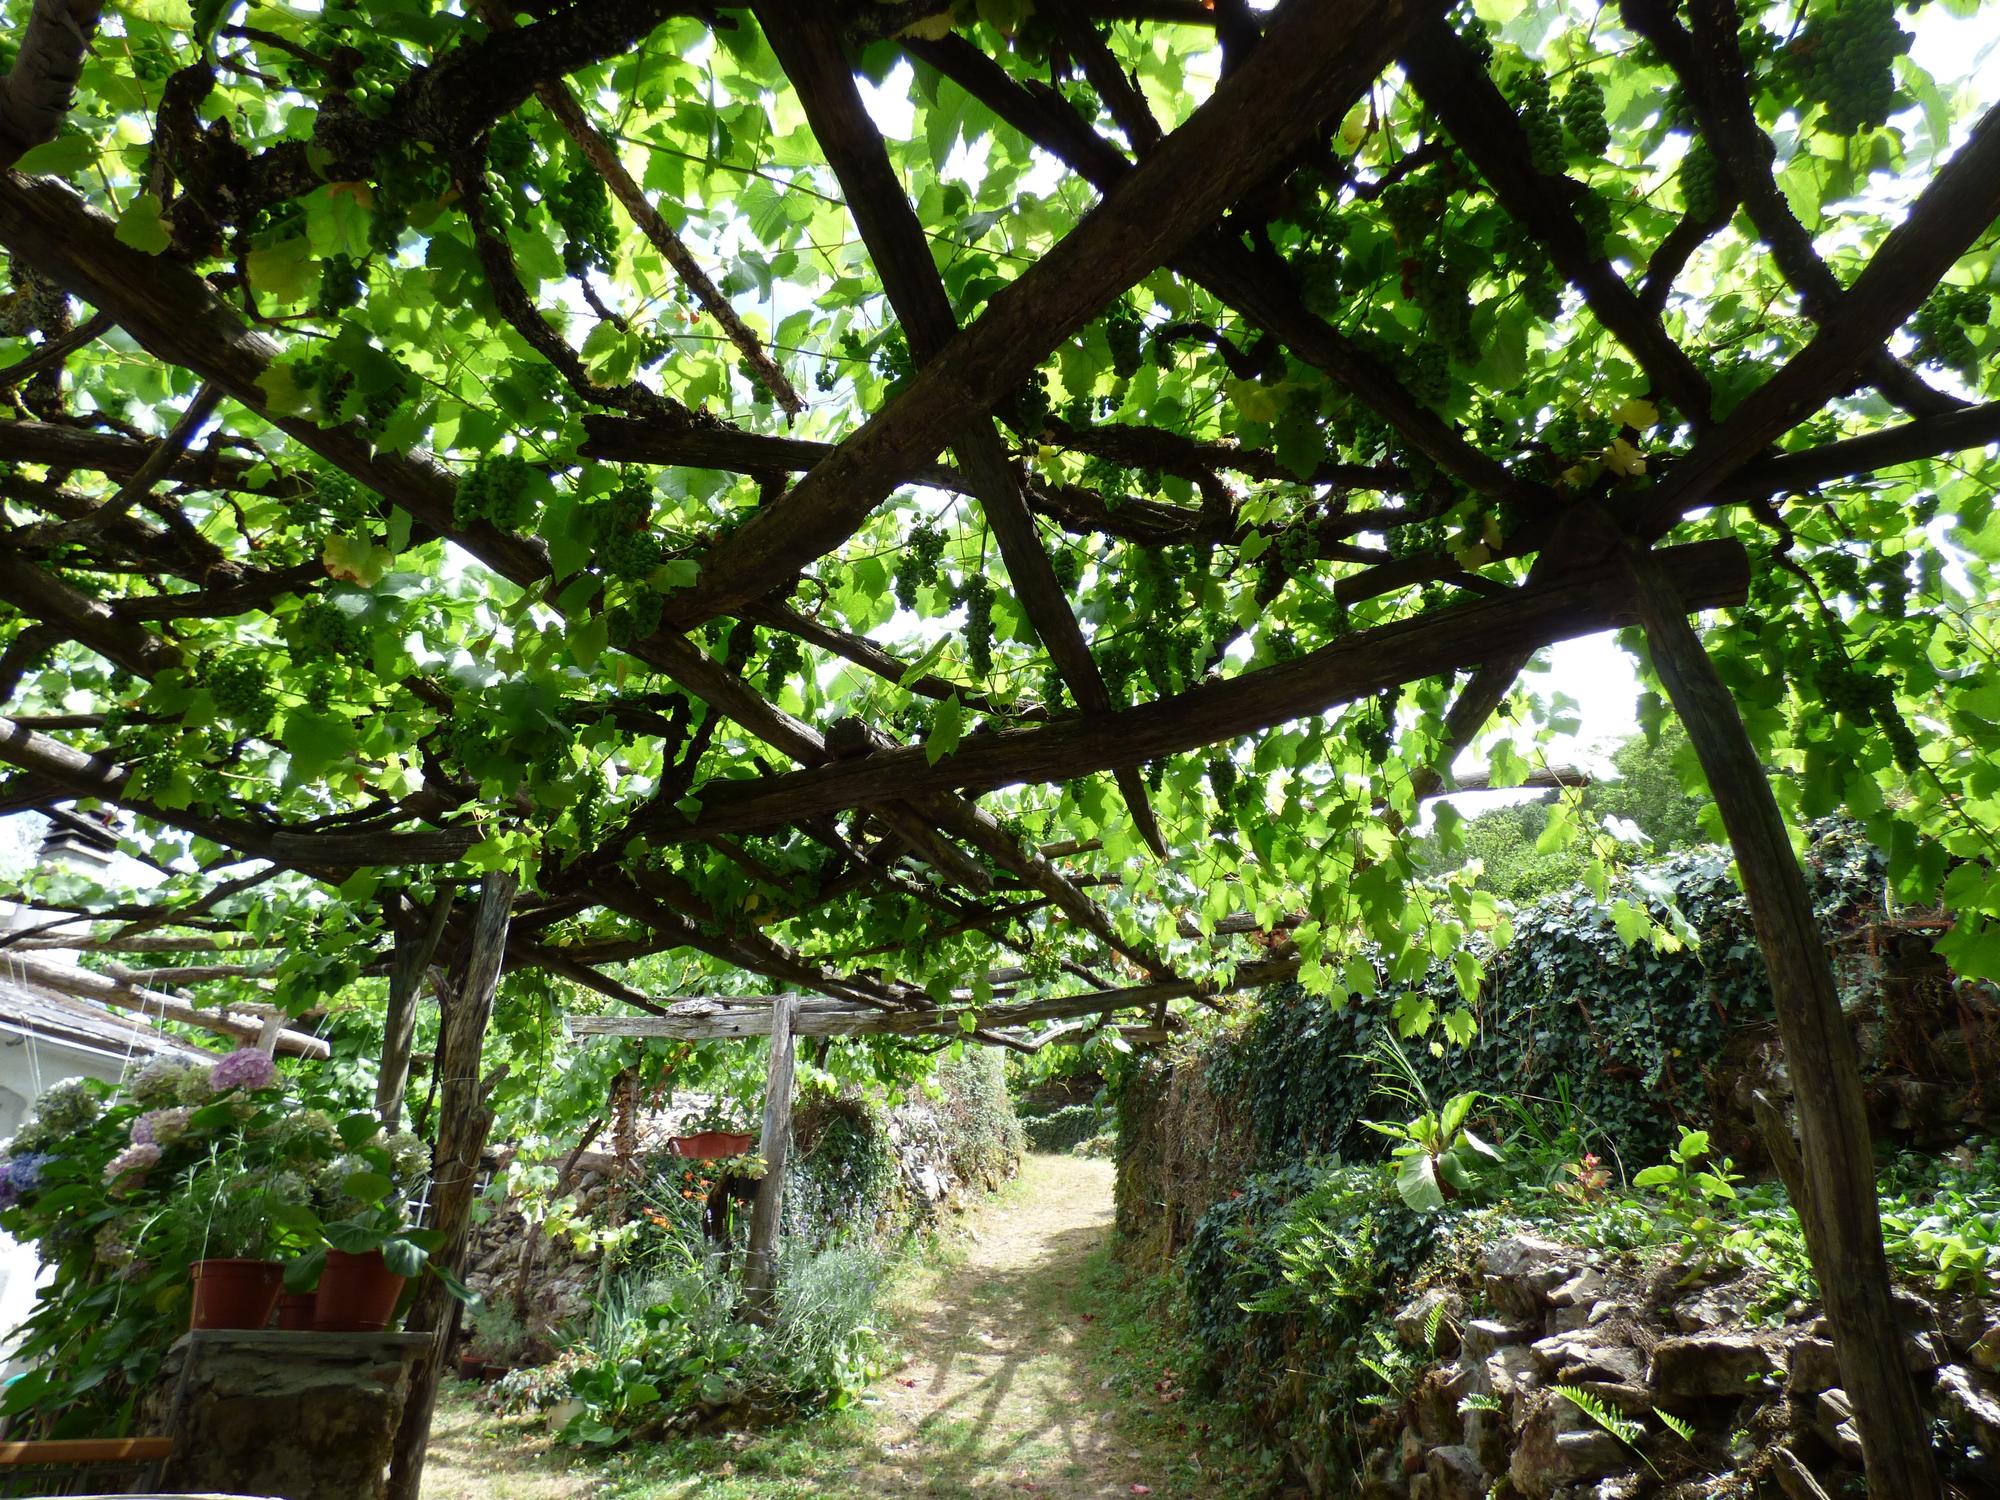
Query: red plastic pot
(357,1294)
(295,1311)
(234,1293)
(711,1145)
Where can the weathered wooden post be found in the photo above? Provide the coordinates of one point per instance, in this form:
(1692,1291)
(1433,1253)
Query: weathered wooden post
(415,947)
(1841,1213)
(463,1120)
(760,1274)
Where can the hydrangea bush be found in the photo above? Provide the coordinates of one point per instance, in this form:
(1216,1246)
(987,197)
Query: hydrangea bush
(121,1190)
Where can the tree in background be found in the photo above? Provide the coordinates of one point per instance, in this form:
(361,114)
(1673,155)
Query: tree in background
(1526,853)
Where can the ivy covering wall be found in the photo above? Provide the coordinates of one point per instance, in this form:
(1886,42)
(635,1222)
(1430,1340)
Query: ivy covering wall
(1623,1037)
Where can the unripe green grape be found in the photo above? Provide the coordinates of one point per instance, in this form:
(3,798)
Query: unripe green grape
(1701,183)
(1583,115)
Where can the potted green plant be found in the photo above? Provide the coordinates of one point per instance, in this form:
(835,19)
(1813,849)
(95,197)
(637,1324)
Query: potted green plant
(362,1248)
(500,1342)
(713,1134)
(227,1213)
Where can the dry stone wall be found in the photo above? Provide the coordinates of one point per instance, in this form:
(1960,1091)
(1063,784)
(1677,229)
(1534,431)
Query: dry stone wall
(1534,1322)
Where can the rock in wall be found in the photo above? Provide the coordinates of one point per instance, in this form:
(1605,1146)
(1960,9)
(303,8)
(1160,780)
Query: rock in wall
(1556,1372)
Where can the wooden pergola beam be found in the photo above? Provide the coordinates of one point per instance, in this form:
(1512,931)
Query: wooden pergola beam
(1579,602)
(807,43)
(1319,57)
(696,1018)
(1956,207)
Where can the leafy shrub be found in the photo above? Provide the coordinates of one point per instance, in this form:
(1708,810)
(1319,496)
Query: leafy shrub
(982,1134)
(840,1178)
(1063,1128)
(676,1350)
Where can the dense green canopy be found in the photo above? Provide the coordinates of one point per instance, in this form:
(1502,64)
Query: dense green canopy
(1007,513)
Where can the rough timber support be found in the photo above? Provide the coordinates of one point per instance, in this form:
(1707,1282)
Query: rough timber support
(1839,1159)
(760,1272)
(464,1117)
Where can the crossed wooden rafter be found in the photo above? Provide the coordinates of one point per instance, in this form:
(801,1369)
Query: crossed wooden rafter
(1182,199)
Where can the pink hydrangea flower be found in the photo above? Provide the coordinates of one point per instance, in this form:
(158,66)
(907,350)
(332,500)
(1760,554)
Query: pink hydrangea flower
(246,1068)
(134,1158)
(160,1127)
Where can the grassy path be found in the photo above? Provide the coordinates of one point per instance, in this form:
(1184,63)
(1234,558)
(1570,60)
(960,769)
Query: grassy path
(1021,1377)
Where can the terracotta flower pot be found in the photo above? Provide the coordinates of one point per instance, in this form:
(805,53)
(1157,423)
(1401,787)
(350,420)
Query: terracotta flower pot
(234,1293)
(470,1365)
(711,1145)
(295,1311)
(357,1294)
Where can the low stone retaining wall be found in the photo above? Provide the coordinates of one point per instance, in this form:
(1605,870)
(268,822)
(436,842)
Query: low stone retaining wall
(1536,1323)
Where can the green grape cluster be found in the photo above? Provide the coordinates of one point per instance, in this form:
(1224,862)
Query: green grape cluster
(581,206)
(241,688)
(1027,412)
(1055,694)
(407,179)
(629,554)
(1441,285)
(1472,31)
(1863,696)
(1125,333)
(152,59)
(342,498)
(1540,284)
(634,620)
(1297,549)
(340,286)
(979,624)
(1117,665)
(331,386)
(153,774)
(1544,130)
(781,662)
(1582,112)
(510,150)
(1848,51)
(1410,205)
(1701,183)
(1270,584)
(1889,578)
(1422,539)
(1221,772)
(1427,372)
(1593,216)
(322,630)
(496,492)
(1940,327)
(1067,565)
(632,503)
(1378,736)
(918,567)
